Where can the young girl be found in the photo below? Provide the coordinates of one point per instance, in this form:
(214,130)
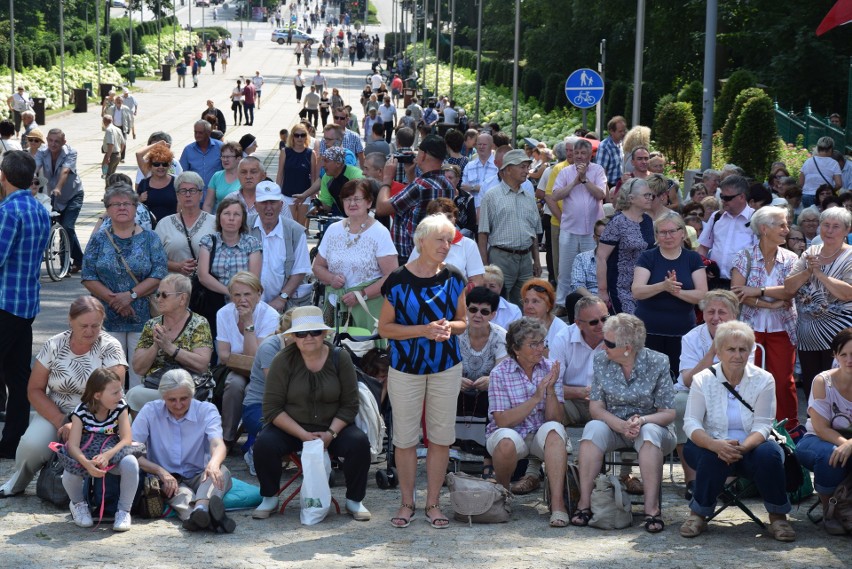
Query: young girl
(99,442)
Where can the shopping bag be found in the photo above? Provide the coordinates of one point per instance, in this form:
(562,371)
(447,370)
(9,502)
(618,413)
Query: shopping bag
(315,495)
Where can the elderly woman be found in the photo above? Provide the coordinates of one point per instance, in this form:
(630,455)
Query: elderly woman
(181,232)
(697,193)
(795,241)
(625,237)
(757,278)
(59,375)
(464,252)
(539,299)
(35,139)
(226,181)
(223,254)
(241,326)
(668,281)
(311,393)
(157,191)
(356,254)
(177,338)
(122,267)
(728,419)
(296,162)
(827,444)
(632,405)
(188,461)
(808,222)
(423,313)
(819,169)
(507,312)
(525,407)
(821,279)
(697,354)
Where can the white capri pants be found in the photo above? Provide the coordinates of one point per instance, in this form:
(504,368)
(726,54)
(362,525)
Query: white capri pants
(608,440)
(532,444)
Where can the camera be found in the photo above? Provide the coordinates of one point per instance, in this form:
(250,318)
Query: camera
(403,157)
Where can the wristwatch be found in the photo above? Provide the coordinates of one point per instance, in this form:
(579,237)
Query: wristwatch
(284,296)
(133,294)
(332,433)
(249,328)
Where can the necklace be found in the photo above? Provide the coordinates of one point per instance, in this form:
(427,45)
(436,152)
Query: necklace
(353,242)
(821,256)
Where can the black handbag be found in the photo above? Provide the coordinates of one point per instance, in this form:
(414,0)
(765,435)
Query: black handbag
(202,300)
(204,382)
(49,484)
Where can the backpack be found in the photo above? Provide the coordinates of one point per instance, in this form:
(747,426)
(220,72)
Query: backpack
(369,418)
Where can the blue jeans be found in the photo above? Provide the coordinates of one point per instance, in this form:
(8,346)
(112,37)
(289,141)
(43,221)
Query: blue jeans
(68,219)
(248,111)
(809,200)
(813,453)
(763,465)
(253,422)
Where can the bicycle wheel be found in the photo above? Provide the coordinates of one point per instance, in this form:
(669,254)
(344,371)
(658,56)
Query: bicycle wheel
(57,254)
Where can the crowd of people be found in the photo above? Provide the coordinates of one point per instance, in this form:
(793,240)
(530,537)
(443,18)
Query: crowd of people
(648,303)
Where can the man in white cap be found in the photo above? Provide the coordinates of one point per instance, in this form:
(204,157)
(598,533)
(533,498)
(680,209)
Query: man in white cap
(285,259)
(508,224)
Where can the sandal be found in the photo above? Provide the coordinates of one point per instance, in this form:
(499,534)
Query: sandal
(782,530)
(438,522)
(633,486)
(581,518)
(654,524)
(693,526)
(402,521)
(488,472)
(559,519)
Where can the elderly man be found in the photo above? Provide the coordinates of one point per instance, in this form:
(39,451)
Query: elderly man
(610,154)
(186,452)
(337,173)
(711,178)
(220,116)
(122,117)
(508,224)
(113,143)
(58,163)
(387,112)
(204,155)
(409,206)
(251,174)
(727,231)
(28,124)
(581,188)
(575,348)
(286,261)
(24,228)
(18,103)
(480,170)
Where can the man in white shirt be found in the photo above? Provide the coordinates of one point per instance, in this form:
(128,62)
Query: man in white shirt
(480,170)
(376,82)
(387,114)
(257,81)
(575,348)
(285,259)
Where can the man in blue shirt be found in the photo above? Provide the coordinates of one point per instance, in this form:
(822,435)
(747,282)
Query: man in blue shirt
(204,155)
(610,153)
(24,229)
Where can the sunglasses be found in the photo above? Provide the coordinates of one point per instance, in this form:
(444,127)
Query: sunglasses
(475,310)
(166,294)
(300,135)
(596,321)
(610,345)
(311,333)
(729,198)
(36,182)
(340,118)
(160,164)
(538,288)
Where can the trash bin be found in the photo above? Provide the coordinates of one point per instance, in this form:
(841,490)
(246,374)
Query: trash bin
(131,76)
(425,95)
(81,103)
(166,74)
(103,90)
(88,87)
(38,109)
(407,95)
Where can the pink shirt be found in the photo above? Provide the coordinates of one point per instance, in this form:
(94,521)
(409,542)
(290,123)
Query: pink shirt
(580,209)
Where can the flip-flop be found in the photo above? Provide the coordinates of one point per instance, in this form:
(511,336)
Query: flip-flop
(581,518)
(438,522)
(559,519)
(402,521)
(654,524)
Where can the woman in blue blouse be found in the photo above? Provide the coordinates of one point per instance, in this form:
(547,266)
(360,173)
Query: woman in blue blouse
(423,313)
(122,266)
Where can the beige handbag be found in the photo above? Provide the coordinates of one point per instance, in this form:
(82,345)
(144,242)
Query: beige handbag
(478,501)
(610,504)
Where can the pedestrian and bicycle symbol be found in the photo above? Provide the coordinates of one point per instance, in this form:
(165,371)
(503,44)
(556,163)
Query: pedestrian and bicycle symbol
(584,88)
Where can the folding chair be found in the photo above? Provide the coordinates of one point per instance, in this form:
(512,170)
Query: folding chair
(733,494)
(294,458)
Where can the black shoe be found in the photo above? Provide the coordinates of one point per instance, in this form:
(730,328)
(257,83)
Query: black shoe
(219,518)
(201,518)
(190,525)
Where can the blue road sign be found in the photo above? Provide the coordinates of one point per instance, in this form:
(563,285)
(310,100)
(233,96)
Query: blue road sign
(584,88)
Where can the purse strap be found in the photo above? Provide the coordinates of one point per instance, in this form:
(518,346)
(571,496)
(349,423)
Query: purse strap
(120,256)
(821,174)
(188,240)
(733,391)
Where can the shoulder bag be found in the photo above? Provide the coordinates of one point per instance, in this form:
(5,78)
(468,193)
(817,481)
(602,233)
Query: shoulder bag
(203,300)
(478,501)
(49,484)
(840,504)
(611,507)
(153,310)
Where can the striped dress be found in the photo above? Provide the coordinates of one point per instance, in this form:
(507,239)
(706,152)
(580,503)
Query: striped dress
(822,315)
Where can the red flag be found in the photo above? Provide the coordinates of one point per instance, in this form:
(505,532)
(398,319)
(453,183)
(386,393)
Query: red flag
(839,15)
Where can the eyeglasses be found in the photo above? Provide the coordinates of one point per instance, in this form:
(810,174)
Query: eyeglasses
(330,140)
(160,164)
(340,118)
(540,345)
(300,135)
(668,232)
(649,196)
(594,322)
(610,345)
(159,294)
(796,239)
(475,310)
(188,191)
(124,205)
(34,140)
(729,198)
(228,156)
(311,333)
(355,200)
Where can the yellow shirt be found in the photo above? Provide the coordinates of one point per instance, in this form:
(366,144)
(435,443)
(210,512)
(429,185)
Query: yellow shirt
(548,190)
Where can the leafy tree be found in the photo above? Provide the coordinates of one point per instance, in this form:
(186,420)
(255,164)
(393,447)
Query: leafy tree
(675,133)
(754,146)
(734,116)
(739,80)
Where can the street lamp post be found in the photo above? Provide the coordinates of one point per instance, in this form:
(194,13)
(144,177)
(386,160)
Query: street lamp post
(425,19)
(130,71)
(637,62)
(478,56)
(437,42)
(62,48)
(452,44)
(515,71)
(709,84)
(98,38)
(12,41)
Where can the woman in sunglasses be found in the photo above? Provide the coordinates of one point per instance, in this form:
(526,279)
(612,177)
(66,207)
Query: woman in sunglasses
(177,338)
(296,163)
(157,192)
(632,405)
(311,393)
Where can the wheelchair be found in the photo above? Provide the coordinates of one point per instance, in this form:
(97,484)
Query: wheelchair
(57,253)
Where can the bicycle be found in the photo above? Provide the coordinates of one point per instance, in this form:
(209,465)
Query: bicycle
(57,253)
(584,98)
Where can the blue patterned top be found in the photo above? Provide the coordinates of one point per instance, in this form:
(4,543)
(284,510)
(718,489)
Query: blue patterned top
(146,257)
(417,302)
(228,261)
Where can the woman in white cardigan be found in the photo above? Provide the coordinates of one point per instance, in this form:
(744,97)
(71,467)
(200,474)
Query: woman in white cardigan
(728,418)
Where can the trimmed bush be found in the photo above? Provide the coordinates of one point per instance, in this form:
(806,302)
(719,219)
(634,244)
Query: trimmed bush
(662,102)
(754,146)
(70,48)
(42,59)
(51,49)
(738,80)
(4,54)
(26,55)
(693,93)
(19,59)
(734,115)
(675,133)
(532,83)
(116,46)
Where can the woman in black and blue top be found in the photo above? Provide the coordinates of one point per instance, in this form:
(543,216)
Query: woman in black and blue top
(423,313)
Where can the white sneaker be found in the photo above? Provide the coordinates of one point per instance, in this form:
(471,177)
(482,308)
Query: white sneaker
(249,458)
(82,516)
(122,521)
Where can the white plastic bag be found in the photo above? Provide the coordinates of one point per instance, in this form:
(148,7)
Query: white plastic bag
(315,495)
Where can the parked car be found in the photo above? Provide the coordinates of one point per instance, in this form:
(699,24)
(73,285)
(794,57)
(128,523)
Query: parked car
(202,3)
(280,36)
(119,4)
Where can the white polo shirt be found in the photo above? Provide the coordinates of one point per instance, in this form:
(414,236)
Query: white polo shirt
(727,237)
(576,357)
(274,256)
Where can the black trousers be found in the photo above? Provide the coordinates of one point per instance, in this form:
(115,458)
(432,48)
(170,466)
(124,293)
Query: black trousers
(16,339)
(351,445)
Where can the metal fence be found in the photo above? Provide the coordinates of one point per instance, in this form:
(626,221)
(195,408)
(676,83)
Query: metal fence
(811,127)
